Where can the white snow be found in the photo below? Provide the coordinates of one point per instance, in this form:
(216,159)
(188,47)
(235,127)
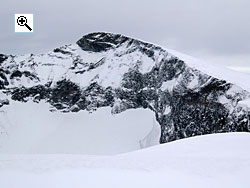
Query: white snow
(151,138)
(194,83)
(31,128)
(215,70)
(220,160)
(167,110)
(169,85)
(223,100)
(245,103)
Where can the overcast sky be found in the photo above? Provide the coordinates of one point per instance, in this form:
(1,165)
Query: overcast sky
(214,30)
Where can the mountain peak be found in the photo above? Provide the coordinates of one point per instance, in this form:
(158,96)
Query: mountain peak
(100,41)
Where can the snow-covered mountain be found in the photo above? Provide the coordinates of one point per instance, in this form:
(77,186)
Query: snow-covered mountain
(187,96)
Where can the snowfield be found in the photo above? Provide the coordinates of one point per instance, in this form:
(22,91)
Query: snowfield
(36,130)
(219,160)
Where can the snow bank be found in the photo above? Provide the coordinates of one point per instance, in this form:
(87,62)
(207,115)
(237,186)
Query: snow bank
(245,103)
(37,130)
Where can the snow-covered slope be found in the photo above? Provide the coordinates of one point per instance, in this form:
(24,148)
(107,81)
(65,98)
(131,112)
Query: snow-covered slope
(219,160)
(215,70)
(108,70)
(36,130)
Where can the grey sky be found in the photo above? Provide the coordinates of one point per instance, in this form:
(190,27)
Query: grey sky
(215,30)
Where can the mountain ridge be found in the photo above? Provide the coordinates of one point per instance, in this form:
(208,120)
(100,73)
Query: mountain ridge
(105,69)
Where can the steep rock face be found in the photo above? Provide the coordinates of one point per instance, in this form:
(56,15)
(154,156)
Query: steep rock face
(105,69)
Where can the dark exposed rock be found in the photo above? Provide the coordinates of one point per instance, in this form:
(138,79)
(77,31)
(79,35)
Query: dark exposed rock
(15,74)
(3,79)
(3,58)
(59,50)
(65,92)
(4,102)
(59,106)
(98,42)
(30,75)
(80,72)
(38,93)
(19,74)
(97,64)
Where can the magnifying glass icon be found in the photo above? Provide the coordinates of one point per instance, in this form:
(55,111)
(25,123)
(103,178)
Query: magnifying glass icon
(22,21)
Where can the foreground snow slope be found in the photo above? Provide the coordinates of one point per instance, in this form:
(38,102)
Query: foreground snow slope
(219,160)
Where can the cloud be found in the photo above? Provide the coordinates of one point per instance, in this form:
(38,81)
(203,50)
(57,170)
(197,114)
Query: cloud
(208,28)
